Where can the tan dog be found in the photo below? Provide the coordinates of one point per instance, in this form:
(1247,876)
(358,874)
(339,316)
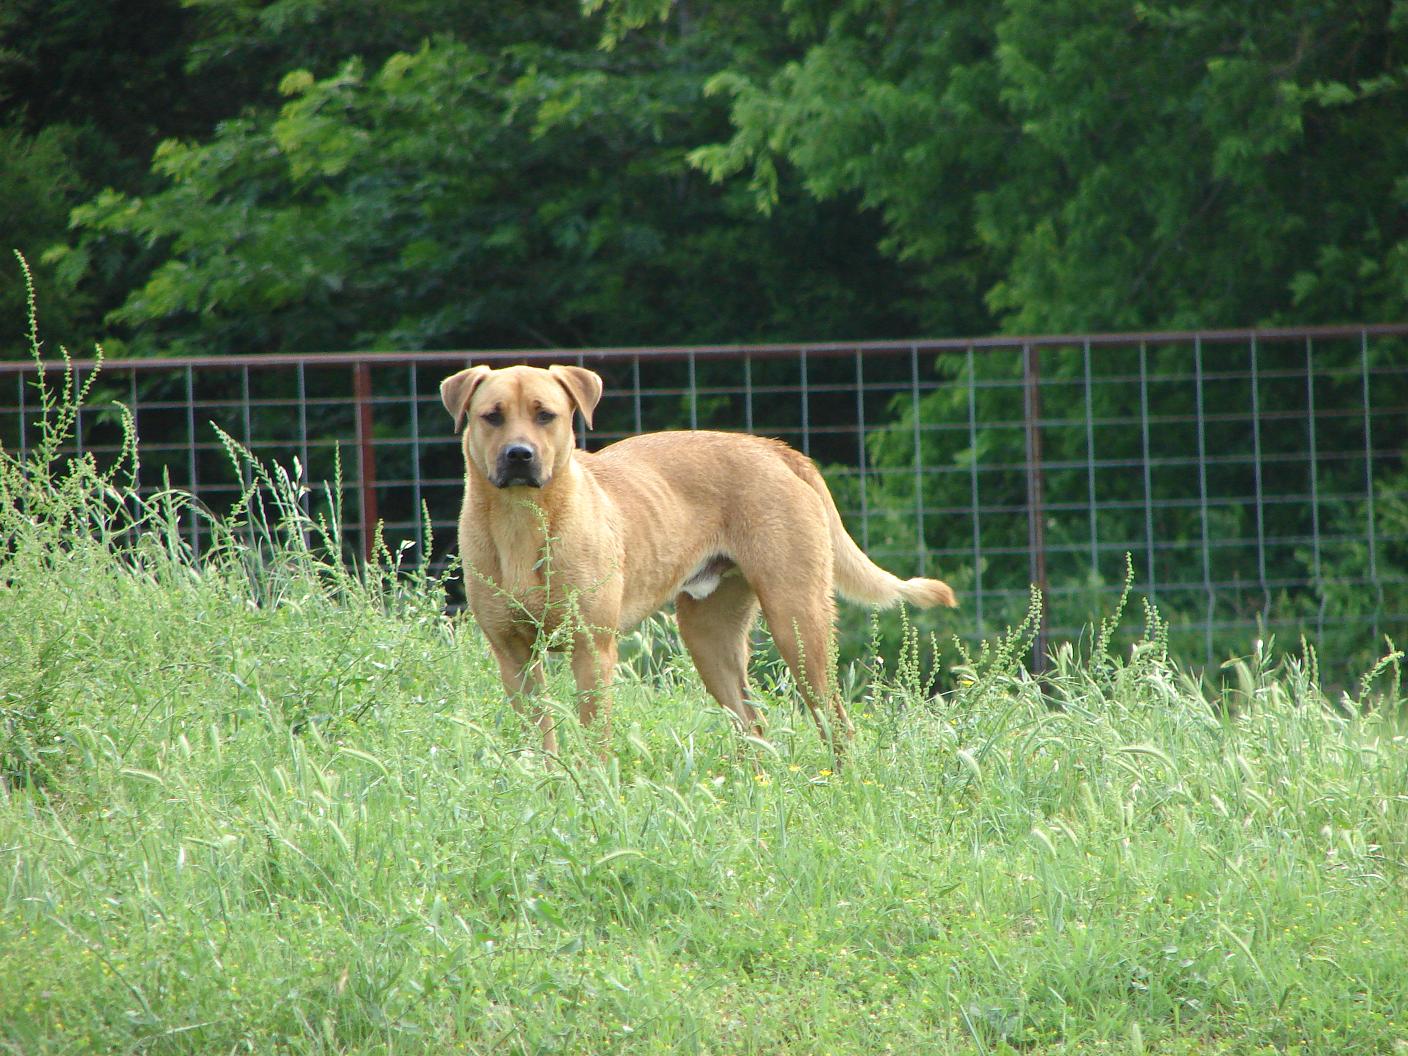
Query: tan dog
(559,541)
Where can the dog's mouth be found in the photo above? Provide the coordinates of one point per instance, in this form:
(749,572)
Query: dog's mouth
(514,475)
(517,480)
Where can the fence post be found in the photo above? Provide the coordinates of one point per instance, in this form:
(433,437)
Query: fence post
(366,462)
(1036,514)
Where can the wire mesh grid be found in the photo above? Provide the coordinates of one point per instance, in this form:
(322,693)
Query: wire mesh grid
(1257,478)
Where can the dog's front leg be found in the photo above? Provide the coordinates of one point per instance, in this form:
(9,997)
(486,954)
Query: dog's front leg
(522,675)
(593,666)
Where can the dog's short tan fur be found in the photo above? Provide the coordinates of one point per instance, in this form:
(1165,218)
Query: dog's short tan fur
(722,524)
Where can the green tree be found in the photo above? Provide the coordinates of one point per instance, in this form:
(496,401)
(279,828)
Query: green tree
(87,90)
(1070,165)
(38,186)
(523,194)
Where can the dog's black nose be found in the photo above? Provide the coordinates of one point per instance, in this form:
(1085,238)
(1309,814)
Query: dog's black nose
(518,453)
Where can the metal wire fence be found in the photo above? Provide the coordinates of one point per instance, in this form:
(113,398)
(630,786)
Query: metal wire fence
(1256,477)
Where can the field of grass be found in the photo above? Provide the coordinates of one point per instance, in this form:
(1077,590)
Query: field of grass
(262,804)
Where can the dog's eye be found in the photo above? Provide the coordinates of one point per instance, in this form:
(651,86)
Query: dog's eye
(543,417)
(494,417)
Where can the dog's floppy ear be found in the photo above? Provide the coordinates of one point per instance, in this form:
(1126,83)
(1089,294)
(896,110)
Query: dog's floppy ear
(583,385)
(456,390)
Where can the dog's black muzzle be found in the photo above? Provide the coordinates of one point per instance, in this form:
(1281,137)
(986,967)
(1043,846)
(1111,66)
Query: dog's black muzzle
(517,465)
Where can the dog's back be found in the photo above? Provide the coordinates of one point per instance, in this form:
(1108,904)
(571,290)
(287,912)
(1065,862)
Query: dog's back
(735,484)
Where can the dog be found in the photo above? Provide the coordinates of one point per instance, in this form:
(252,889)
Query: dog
(568,549)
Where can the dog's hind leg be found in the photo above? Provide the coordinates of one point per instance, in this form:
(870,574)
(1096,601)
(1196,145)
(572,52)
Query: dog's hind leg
(802,623)
(715,631)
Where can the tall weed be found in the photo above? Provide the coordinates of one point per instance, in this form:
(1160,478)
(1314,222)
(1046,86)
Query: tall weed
(87,558)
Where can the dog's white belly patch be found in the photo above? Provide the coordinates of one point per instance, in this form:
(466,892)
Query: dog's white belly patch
(704,580)
(700,587)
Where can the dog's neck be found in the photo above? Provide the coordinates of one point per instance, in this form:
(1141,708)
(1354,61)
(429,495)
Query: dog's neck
(517,522)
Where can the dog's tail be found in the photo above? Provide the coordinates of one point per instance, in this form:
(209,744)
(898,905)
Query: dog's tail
(858,578)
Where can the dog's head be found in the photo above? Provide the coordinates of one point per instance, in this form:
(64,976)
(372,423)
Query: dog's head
(518,420)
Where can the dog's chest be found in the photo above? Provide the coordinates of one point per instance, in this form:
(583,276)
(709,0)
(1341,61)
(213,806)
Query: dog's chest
(522,579)
(505,563)
(510,593)
(519,567)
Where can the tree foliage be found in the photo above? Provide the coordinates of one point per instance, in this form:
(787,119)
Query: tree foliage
(503,181)
(1066,165)
(311,173)
(86,90)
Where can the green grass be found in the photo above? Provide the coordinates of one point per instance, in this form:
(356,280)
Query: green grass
(261,804)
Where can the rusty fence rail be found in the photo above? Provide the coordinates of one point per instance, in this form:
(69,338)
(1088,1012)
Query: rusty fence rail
(1256,476)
